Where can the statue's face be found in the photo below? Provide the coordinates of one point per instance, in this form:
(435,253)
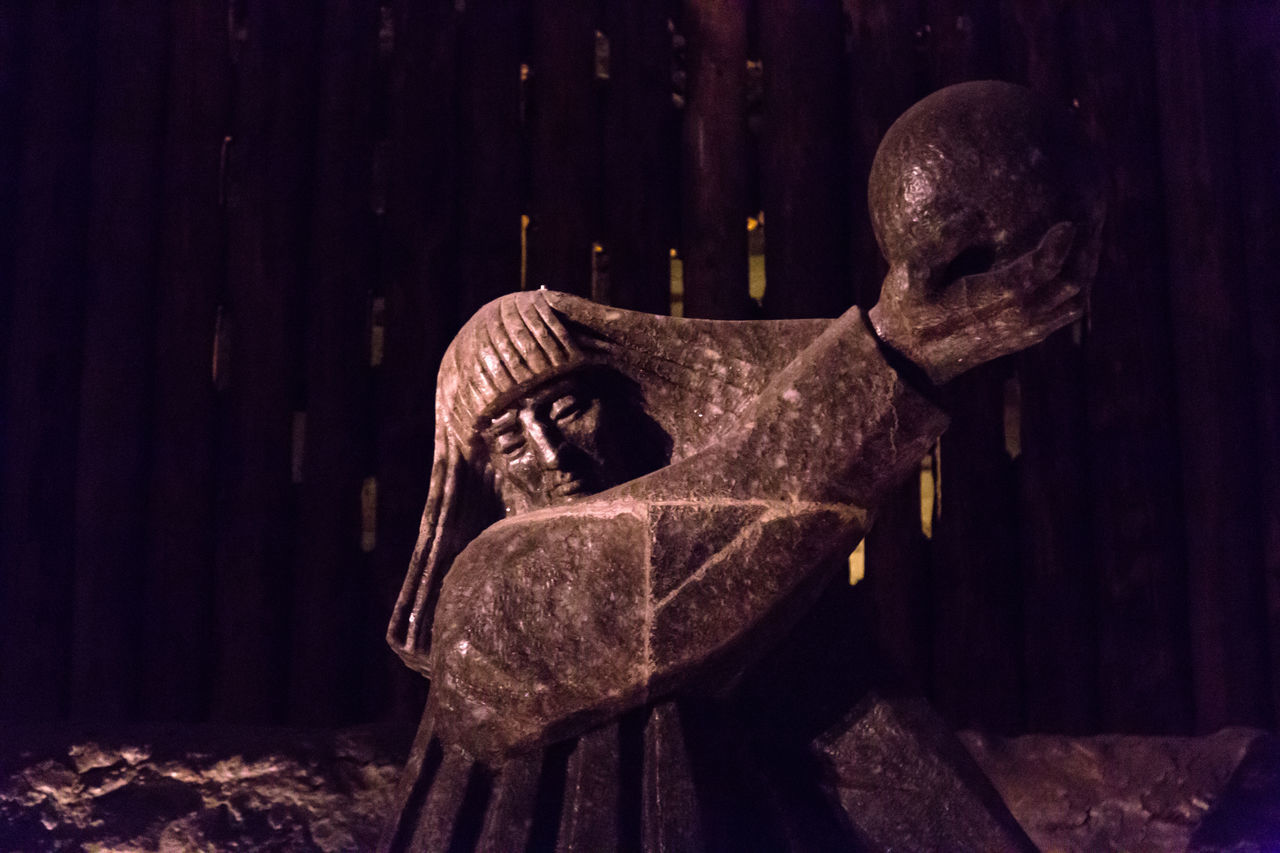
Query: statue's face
(552,446)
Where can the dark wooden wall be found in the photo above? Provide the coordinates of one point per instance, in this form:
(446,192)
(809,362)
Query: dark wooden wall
(235,236)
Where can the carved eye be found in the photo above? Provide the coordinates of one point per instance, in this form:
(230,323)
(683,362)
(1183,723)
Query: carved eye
(566,408)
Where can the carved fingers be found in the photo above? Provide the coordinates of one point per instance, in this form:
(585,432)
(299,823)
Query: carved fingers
(1017,292)
(985,315)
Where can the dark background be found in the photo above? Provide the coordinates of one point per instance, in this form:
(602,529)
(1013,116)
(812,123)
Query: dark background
(235,237)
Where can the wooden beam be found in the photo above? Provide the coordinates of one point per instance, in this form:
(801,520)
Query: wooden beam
(1213,368)
(177,603)
(43,365)
(804,161)
(640,157)
(332,635)
(115,385)
(714,160)
(565,146)
(268,199)
(491,150)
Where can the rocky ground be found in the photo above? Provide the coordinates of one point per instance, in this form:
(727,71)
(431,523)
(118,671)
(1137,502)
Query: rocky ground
(220,789)
(196,789)
(1216,793)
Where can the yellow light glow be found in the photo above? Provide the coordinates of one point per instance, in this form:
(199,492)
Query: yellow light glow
(858,563)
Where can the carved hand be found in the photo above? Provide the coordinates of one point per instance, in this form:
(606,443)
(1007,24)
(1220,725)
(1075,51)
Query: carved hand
(948,329)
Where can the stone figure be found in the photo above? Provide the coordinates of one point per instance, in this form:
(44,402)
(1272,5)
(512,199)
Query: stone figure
(628,513)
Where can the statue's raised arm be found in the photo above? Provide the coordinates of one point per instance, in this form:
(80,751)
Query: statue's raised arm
(626,507)
(782,437)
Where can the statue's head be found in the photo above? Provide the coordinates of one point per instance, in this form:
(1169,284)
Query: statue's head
(531,413)
(973,176)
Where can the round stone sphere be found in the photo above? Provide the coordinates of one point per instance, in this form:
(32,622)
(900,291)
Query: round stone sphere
(975,174)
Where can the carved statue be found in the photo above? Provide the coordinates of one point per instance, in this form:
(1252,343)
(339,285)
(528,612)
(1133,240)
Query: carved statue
(627,511)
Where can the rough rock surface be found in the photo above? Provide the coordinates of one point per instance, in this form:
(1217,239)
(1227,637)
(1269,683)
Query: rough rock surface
(1246,817)
(907,783)
(1137,794)
(215,789)
(196,789)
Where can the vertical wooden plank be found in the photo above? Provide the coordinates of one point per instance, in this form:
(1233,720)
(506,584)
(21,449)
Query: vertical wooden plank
(420,285)
(331,636)
(1137,545)
(1059,584)
(804,162)
(886,76)
(14,41)
(1213,368)
(960,40)
(43,369)
(898,580)
(386,680)
(178,595)
(491,150)
(1045,412)
(977,584)
(977,592)
(268,198)
(714,160)
(1255,35)
(639,170)
(1038,46)
(115,385)
(565,145)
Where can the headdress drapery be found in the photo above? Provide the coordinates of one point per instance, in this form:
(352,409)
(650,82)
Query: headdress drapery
(691,374)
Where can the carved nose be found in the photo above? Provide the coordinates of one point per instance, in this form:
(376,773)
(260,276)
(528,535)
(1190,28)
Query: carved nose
(547,445)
